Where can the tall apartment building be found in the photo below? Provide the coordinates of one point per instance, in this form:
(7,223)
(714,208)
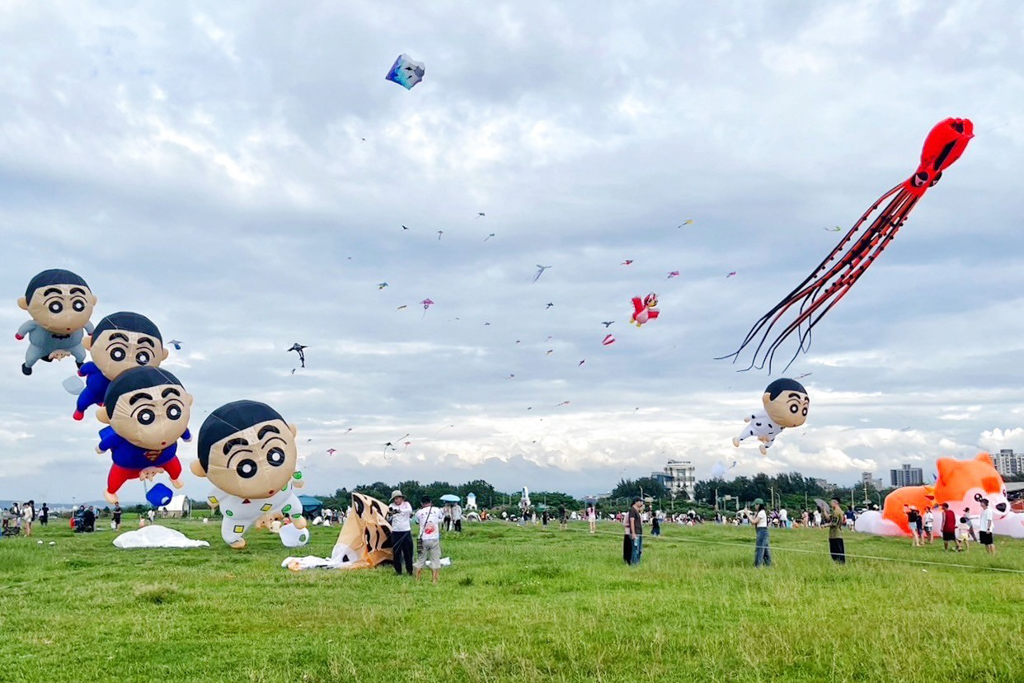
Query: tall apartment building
(1008,463)
(907,476)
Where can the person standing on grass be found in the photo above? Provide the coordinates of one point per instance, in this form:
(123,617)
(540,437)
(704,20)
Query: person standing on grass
(949,528)
(912,520)
(965,529)
(117,515)
(836,546)
(401,532)
(563,518)
(655,525)
(28,515)
(762,553)
(429,519)
(929,524)
(985,532)
(44,515)
(636,530)
(783,518)
(457,517)
(592,518)
(627,539)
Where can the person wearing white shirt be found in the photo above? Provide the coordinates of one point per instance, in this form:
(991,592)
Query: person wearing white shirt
(762,553)
(457,517)
(985,531)
(401,532)
(783,518)
(429,519)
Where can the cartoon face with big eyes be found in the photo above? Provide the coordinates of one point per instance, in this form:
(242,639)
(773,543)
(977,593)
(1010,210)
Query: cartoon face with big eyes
(152,417)
(246,449)
(786,402)
(60,308)
(122,341)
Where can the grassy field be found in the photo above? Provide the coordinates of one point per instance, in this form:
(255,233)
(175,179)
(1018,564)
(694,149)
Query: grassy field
(517,605)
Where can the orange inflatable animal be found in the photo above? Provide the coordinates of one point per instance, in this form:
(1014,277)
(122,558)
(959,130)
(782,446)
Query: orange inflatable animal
(918,497)
(961,483)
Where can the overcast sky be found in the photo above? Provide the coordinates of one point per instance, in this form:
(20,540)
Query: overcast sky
(240,172)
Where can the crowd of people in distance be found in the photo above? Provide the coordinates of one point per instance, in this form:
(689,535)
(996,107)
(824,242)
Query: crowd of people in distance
(958,530)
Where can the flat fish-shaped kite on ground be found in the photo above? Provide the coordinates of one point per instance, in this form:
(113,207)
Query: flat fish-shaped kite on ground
(406,71)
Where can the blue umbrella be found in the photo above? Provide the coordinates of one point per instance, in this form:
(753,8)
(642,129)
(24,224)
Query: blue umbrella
(450,498)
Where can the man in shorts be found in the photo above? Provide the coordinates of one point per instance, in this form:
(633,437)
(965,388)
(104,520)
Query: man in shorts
(429,519)
(949,528)
(985,532)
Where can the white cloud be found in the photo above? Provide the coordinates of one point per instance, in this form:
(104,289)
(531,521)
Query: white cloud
(197,167)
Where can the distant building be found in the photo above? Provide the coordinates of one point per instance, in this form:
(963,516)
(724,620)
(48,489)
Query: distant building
(1008,463)
(679,477)
(907,476)
(824,484)
(868,479)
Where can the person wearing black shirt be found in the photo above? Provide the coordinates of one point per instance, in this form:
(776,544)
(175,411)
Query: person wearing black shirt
(44,515)
(635,530)
(913,523)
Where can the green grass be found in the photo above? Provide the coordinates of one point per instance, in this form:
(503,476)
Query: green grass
(517,605)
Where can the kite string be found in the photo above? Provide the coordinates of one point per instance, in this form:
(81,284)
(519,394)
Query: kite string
(818,552)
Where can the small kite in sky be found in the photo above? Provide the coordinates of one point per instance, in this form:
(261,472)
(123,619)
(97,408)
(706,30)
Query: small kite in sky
(549,305)
(444,428)
(550,351)
(331,451)
(835,229)
(404,228)
(731,273)
(806,374)
(540,271)
(608,339)
(427,303)
(401,307)
(563,403)
(511,375)
(480,214)
(381,285)
(301,350)
(627,262)
(644,309)
(406,71)
(688,221)
(293,371)
(607,323)
(489,237)
(674,273)
(581,362)
(176,343)
(439,233)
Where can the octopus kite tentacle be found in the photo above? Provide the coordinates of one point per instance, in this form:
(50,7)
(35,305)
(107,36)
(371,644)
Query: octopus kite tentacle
(837,273)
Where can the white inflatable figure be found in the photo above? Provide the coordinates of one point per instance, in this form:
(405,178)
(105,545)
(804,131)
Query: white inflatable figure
(294,537)
(785,405)
(248,453)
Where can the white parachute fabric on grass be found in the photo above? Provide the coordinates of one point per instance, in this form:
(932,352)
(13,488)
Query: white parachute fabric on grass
(156,536)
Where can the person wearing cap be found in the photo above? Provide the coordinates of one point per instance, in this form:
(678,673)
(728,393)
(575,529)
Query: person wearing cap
(401,532)
(836,546)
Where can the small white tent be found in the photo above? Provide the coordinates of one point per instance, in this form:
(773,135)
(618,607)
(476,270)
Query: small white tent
(180,506)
